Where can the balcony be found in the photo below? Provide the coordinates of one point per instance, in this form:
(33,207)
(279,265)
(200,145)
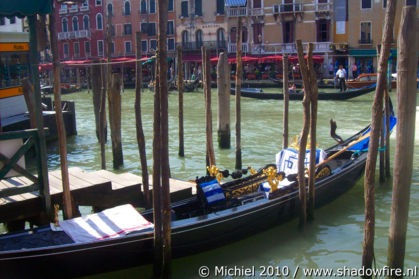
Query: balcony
(289,48)
(256,12)
(84,8)
(62,11)
(237,11)
(291,8)
(232,47)
(74,35)
(365,42)
(197,45)
(73,9)
(323,10)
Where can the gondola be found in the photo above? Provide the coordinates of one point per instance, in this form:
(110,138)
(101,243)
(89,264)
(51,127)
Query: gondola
(197,225)
(335,96)
(299,84)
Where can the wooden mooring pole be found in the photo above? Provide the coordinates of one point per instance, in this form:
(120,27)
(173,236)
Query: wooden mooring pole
(382,131)
(139,122)
(304,135)
(96,73)
(210,157)
(114,88)
(223,88)
(180,90)
(403,162)
(62,141)
(102,117)
(286,92)
(313,133)
(376,119)
(238,92)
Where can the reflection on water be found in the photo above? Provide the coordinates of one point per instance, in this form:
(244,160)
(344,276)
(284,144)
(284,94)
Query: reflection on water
(335,237)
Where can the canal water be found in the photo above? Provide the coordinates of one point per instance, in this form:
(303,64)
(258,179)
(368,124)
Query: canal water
(333,240)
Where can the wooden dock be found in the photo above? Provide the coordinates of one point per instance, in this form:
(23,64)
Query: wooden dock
(99,189)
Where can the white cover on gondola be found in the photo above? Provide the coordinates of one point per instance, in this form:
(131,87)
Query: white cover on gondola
(110,223)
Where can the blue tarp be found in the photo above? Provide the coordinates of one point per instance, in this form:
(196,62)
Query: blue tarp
(21,8)
(236,3)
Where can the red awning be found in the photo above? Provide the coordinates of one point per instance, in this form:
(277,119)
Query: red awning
(232,60)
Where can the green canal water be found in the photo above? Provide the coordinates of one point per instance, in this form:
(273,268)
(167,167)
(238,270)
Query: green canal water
(333,240)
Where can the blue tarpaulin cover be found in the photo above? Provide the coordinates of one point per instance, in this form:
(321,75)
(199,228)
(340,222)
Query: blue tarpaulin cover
(236,3)
(21,8)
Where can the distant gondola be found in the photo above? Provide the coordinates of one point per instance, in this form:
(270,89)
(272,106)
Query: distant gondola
(198,223)
(349,94)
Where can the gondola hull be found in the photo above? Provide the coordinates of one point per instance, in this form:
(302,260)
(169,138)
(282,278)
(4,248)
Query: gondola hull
(333,96)
(192,235)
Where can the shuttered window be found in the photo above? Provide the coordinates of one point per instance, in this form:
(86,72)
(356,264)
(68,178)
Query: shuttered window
(184,6)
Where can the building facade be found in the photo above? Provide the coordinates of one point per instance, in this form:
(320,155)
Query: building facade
(13,24)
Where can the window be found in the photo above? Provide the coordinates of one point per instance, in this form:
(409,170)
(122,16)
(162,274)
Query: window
(87,48)
(152,29)
(171,6)
(143,46)
(220,7)
(127,8)
(365,4)
(185,38)
(288,32)
(143,7)
(257,4)
(153,44)
(198,38)
(99,23)
(244,35)
(411,2)
(171,44)
(2,20)
(13,20)
(233,35)
(152,6)
(384,4)
(184,6)
(144,28)
(98,2)
(75,24)
(128,48)
(100,48)
(170,28)
(365,33)
(86,22)
(112,48)
(113,30)
(323,30)
(127,29)
(76,49)
(110,9)
(65,49)
(85,3)
(198,7)
(65,25)
(257,33)
(221,38)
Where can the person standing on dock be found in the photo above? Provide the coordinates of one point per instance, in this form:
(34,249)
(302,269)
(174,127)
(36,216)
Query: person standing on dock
(340,75)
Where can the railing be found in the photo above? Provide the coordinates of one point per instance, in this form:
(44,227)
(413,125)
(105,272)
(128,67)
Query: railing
(365,42)
(73,9)
(31,140)
(235,12)
(288,48)
(232,47)
(74,35)
(256,11)
(62,11)
(197,45)
(324,7)
(84,8)
(291,8)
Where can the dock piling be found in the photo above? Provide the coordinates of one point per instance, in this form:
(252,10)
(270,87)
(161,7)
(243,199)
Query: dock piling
(223,88)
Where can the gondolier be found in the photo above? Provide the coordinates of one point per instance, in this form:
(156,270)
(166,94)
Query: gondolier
(340,75)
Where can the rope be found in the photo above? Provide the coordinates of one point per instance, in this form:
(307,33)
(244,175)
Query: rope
(366,149)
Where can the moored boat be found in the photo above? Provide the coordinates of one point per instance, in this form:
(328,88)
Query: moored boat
(198,223)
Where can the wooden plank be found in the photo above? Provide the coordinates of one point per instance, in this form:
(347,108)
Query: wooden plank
(116,179)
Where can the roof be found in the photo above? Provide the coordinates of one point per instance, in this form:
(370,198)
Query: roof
(236,3)
(21,8)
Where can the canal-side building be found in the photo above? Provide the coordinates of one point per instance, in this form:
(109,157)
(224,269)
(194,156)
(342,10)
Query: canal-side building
(129,17)
(200,23)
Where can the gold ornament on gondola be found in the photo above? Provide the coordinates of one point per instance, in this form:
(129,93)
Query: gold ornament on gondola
(214,171)
(273,177)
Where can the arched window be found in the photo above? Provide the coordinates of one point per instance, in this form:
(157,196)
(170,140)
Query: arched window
(221,38)
(127,8)
(99,22)
(110,9)
(185,38)
(65,25)
(143,7)
(198,38)
(75,24)
(86,22)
